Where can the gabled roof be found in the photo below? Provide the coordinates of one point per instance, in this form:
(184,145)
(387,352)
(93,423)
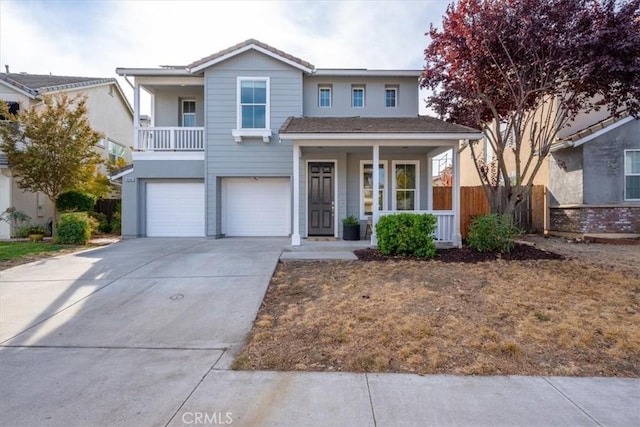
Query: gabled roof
(34,85)
(592,132)
(250,44)
(38,84)
(373,125)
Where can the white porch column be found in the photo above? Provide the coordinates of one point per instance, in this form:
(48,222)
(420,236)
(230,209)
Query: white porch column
(295,237)
(429,183)
(136,114)
(455,197)
(376,193)
(152,121)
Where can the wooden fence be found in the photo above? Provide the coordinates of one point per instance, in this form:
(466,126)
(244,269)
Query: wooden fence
(529,214)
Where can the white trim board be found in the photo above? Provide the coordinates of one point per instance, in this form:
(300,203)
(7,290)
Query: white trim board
(246,48)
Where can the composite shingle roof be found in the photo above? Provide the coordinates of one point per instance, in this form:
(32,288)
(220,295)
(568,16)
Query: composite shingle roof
(37,84)
(346,125)
(244,44)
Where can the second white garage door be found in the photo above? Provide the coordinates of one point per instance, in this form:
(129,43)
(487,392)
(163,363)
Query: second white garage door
(175,209)
(256,206)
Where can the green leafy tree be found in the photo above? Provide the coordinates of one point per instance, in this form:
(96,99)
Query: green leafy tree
(50,148)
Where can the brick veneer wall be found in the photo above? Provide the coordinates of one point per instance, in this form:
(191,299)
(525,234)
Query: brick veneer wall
(585,219)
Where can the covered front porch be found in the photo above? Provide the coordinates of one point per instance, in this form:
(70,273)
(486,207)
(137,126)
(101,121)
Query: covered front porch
(334,175)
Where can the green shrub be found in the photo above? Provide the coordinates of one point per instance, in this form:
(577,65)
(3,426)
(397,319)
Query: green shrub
(407,234)
(492,233)
(105,227)
(116,223)
(22,232)
(73,228)
(98,222)
(350,220)
(37,229)
(75,201)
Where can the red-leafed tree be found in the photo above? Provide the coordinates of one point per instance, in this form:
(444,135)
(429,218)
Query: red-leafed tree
(521,70)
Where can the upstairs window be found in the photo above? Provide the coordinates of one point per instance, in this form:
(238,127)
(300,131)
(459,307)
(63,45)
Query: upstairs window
(188,113)
(357,96)
(632,175)
(391,97)
(116,151)
(14,108)
(253,109)
(324,96)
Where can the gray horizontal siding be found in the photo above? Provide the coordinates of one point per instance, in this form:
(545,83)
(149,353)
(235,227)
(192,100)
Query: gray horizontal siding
(408,98)
(252,157)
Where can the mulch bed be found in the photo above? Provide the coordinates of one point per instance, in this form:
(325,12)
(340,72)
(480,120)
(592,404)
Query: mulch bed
(520,252)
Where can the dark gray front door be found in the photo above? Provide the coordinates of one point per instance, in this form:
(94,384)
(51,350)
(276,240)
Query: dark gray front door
(321,199)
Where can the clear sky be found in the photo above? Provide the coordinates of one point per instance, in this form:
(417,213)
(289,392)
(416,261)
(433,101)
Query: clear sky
(92,38)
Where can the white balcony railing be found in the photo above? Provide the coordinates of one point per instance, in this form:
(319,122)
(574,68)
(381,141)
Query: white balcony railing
(444,226)
(170,139)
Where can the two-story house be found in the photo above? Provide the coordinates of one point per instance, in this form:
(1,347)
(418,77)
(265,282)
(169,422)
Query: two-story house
(252,141)
(108,111)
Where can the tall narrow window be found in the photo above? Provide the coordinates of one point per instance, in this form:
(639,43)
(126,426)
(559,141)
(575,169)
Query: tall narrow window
(357,96)
(324,96)
(632,174)
(366,188)
(391,97)
(253,103)
(406,183)
(188,113)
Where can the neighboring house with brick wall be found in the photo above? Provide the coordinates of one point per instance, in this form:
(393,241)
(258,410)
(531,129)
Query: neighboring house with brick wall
(108,111)
(594,179)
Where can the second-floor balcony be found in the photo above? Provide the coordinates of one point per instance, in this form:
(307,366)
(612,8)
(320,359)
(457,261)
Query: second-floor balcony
(170,139)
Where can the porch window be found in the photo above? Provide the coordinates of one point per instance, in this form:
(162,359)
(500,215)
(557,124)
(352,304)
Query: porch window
(357,96)
(253,109)
(324,96)
(366,188)
(632,174)
(188,113)
(406,185)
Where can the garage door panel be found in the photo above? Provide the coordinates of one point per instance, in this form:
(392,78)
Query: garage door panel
(256,207)
(175,209)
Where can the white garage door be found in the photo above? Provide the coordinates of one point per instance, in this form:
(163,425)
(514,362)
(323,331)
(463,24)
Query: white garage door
(175,209)
(256,207)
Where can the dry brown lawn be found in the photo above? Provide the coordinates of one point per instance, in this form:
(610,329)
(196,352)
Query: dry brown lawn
(574,317)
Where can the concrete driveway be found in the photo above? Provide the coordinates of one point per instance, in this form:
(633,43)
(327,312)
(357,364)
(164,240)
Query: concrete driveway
(124,334)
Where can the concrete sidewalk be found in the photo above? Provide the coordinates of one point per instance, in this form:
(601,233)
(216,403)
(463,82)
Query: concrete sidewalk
(143,332)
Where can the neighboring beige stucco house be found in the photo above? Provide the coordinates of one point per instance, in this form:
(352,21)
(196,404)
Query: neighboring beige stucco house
(109,113)
(469,175)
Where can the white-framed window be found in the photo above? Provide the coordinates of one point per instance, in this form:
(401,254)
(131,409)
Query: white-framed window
(406,185)
(253,103)
(357,96)
(116,151)
(366,187)
(188,112)
(391,96)
(324,96)
(632,174)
